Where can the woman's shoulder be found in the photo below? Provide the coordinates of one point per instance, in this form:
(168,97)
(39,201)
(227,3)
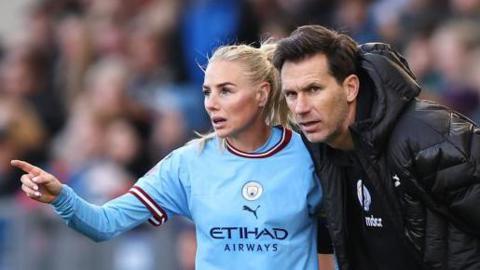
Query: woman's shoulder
(196,146)
(292,135)
(297,143)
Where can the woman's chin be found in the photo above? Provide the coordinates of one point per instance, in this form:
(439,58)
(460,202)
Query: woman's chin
(222,133)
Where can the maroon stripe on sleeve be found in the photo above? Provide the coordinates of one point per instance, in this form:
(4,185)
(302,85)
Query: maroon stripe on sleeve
(159,216)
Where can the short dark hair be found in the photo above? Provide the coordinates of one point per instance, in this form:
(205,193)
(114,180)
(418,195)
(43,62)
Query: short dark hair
(341,50)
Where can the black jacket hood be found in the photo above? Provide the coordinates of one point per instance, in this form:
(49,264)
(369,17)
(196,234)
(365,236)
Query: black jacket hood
(394,86)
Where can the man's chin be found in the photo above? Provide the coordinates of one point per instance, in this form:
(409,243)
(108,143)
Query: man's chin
(314,137)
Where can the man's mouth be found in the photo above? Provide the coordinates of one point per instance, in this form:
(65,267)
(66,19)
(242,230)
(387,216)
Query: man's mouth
(308,126)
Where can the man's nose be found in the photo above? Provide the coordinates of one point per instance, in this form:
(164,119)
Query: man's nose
(302,104)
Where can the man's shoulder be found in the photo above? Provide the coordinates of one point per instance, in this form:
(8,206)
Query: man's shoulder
(432,116)
(427,123)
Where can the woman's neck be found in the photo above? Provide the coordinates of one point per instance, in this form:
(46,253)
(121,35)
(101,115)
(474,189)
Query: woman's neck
(250,140)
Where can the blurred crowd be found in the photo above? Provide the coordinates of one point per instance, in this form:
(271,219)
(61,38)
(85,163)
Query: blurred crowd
(97,92)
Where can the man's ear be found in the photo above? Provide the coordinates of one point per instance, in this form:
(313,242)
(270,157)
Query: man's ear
(263,93)
(351,85)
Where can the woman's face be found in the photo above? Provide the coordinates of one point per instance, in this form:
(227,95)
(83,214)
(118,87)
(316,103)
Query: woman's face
(232,101)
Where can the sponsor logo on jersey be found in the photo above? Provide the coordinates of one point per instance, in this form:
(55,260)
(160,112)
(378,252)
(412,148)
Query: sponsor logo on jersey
(246,247)
(254,212)
(249,239)
(252,190)
(248,233)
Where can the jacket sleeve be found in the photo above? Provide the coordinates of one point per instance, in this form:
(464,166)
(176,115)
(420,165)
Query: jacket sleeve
(324,242)
(440,150)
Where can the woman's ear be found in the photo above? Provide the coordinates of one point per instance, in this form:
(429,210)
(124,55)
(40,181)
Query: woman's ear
(263,93)
(351,85)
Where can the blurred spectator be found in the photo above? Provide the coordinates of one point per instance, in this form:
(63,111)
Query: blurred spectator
(310,11)
(38,34)
(75,56)
(453,44)
(81,140)
(285,15)
(148,58)
(169,129)
(124,147)
(89,170)
(109,38)
(419,16)
(386,14)
(420,58)
(21,135)
(468,9)
(24,76)
(207,24)
(474,79)
(186,246)
(105,88)
(355,18)
(106,94)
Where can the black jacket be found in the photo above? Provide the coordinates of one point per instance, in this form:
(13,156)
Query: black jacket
(426,159)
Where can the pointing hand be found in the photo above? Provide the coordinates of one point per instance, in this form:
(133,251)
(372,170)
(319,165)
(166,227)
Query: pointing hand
(37,183)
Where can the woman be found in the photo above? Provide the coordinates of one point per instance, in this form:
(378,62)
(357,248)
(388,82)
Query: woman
(249,187)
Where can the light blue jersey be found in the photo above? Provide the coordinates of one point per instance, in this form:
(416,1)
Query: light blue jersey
(251,211)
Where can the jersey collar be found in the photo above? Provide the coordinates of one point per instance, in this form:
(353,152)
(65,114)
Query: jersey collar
(286,136)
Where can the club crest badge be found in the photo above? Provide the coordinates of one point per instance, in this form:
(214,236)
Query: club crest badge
(252,190)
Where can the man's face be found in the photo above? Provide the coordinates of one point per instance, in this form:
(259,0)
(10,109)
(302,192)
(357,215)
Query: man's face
(319,103)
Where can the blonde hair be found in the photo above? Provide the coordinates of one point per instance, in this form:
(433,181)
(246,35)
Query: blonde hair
(258,68)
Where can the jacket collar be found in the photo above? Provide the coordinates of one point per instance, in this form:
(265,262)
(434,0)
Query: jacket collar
(392,86)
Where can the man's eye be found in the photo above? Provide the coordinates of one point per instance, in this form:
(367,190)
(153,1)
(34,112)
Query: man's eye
(314,89)
(206,92)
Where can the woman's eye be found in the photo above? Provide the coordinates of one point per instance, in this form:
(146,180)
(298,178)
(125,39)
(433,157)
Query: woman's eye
(224,91)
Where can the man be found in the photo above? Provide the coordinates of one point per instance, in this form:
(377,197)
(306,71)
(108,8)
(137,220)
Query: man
(401,176)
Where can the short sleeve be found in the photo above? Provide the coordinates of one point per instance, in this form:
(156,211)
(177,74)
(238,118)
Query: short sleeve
(164,190)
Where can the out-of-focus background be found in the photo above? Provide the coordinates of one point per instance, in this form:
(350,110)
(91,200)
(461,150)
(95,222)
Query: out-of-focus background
(97,92)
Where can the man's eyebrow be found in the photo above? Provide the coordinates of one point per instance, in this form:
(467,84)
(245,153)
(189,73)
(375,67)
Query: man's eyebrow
(312,84)
(304,87)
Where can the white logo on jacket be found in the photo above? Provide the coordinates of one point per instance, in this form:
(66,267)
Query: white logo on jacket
(397,180)
(365,200)
(364,196)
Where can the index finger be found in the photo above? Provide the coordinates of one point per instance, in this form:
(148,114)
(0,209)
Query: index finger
(27,167)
